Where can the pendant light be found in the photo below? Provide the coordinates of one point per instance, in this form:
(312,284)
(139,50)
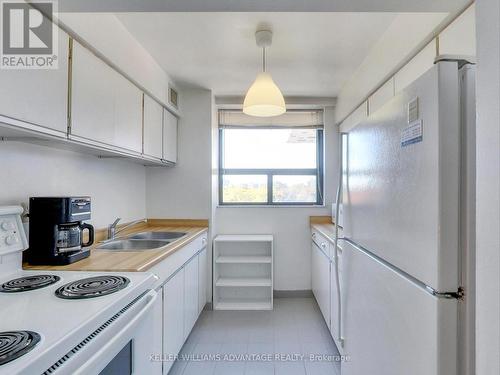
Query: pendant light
(264,98)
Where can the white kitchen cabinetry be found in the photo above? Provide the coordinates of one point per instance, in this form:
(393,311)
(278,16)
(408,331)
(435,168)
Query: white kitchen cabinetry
(153,128)
(106,108)
(321,280)
(190,295)
(173,317)
(37,99)
(128,115)
(169,137)
(181,294)
(202,280)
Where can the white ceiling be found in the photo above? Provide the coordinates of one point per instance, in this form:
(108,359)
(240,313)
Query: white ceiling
(312,54)
(261,5)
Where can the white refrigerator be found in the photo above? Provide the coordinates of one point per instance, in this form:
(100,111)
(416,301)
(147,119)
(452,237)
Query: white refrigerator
(406,257)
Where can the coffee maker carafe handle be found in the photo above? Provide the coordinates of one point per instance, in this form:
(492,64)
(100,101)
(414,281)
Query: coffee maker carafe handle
(91,234)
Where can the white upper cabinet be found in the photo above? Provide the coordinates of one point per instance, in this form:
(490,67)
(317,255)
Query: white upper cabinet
(153,128)
(92,98)
(105,106)
(128,115)
(38,97)
(169,137)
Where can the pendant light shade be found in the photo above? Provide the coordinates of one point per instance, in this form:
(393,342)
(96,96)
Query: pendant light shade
(264,98)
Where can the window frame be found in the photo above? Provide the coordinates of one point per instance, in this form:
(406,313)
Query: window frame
(270,172)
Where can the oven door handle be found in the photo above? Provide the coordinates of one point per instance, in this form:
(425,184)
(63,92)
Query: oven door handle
(96,353)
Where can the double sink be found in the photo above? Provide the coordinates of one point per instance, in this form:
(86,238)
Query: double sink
(141,241)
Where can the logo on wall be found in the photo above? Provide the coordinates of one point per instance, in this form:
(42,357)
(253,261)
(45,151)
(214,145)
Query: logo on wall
(29,38)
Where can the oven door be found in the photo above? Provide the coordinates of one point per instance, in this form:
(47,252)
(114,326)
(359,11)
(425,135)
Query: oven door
(126,344)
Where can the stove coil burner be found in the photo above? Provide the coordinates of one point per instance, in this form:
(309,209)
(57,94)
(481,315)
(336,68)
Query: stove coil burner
(92,287)
(14,344)
(26,283)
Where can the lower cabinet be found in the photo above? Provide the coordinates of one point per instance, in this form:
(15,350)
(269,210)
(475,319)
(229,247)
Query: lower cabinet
(202,280)
(182,304)
(321,280)
(190,295)
(173,317)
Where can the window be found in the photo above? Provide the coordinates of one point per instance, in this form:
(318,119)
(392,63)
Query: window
(270,164)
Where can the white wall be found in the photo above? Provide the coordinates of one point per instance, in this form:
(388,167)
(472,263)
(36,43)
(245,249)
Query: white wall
(289,225)
(488,189)
(185,190)
(117,188)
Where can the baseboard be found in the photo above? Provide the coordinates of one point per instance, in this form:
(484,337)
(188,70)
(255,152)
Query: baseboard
(292,293)
(208,306)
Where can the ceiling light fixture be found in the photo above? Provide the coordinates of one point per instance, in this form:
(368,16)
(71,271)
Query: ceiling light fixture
(264,98)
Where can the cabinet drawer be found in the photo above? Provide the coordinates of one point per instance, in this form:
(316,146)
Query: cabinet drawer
(322,242)
(168,266)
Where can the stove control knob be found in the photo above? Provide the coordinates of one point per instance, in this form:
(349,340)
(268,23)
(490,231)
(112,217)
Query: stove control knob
(11,240)
(7,225)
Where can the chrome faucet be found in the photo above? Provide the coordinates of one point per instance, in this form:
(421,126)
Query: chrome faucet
(112,232)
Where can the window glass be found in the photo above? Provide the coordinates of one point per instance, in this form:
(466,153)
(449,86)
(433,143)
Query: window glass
(266,165)
(269,148)
(294,189)
(244,188)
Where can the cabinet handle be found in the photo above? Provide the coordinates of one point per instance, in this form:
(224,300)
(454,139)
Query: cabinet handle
(203,241)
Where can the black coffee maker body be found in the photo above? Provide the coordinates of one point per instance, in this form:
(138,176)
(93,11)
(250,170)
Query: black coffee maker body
(56,230)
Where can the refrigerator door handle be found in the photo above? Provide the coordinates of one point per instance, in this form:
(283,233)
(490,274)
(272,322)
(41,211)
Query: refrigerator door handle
(459,294)
(335,243)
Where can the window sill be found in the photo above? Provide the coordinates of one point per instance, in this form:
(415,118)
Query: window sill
(270,206)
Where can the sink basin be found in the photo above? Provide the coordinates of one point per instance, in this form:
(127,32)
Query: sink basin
(157,236)
(132,245)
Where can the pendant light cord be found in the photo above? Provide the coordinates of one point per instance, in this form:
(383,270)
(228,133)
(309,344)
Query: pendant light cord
(264,59)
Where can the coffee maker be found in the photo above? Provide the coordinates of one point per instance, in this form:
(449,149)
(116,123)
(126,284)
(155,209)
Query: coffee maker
(56,230)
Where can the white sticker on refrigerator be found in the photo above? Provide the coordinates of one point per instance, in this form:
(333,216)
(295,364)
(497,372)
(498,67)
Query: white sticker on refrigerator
(413,133)
(413,110)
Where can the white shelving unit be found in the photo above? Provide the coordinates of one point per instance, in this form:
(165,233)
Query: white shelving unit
(243,272)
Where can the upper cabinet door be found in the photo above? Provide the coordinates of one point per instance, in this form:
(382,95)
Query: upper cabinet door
(128,114)
(92,97)
(153,128)
(38,96)
(105,106)
(169,137)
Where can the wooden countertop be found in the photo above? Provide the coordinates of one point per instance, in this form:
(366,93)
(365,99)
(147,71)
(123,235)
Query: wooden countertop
(324,225)
(133,261)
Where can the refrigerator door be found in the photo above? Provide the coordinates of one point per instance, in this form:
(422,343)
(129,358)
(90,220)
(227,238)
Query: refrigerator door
(394,326)
(401,179)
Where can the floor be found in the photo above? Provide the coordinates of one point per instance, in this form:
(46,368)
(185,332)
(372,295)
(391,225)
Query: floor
(260,342)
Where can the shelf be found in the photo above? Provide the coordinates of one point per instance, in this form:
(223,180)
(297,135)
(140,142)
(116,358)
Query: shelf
(244,304)
(253,281)
(244,259)
(244,238)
